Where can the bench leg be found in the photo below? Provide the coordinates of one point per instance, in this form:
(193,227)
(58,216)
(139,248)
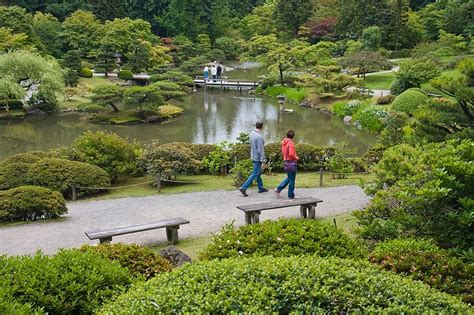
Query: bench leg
(256,217)
(172,234)
(105,240)
(248,218)
(312,212)
(303,212)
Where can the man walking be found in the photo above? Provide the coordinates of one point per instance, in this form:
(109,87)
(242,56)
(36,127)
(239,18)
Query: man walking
(257,154)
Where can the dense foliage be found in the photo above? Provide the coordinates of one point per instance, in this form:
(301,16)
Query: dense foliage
(283,285)
(31,203)
(423,190)
(108,151)
(284,237)
(423,260)
(141,261)
(69,282)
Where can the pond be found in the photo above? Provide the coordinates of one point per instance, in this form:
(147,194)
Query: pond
(210,117)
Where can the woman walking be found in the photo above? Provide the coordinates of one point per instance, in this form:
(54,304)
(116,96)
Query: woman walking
(290,159)
(206,73)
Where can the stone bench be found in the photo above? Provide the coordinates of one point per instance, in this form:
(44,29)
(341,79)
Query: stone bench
(307,208)
(171,225)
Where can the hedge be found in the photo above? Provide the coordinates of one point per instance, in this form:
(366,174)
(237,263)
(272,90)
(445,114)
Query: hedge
(14,308)
(30,203)
(284,237)
(409,101)
(423,260)
(13,175)
(283,285)
(70,282)
(141,261)
(85,72)
(125,75)
(59,175)
(26,157)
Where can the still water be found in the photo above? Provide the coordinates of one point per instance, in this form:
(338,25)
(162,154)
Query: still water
(210,117)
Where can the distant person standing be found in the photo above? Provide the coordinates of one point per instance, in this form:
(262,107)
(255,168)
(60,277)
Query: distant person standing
(219,71)
(257,154)
(214,73)
(206,73)
(290,160)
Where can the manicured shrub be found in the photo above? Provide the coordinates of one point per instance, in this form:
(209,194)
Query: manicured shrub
(409,101)
(27,157)
(108,151)
(387,99)
(283,237)
(274,157)
(358,165)
(201,151)
(31,203)
(173,76)
(85,72)
(125,75)
(13,175)
(422,191)
(141,261)
(423,260)
(169,111)
(340,166)
(281,286)
(219,161)
(170,90)
(371,118)
(169,160)
(59,175)
(70,282)
(241,171)
(241,152)
(313,157)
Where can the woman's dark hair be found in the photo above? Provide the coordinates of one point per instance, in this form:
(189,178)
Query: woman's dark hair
(290,133)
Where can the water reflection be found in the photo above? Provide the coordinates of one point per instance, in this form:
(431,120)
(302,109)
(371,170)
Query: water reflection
(210,117)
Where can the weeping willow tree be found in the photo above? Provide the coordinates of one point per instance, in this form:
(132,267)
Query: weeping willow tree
(30,78)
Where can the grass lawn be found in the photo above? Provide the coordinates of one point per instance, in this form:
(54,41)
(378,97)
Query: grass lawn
(192,246)
(381,81)
(210,182)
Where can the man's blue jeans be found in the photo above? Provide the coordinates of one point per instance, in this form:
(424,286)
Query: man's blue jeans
(256,174)
(289,180)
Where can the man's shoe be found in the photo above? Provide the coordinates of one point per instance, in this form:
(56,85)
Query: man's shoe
(295,197)
(277,193)
(264,190)
(244,192)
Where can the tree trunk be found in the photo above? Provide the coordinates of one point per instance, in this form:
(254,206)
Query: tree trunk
(114,107)
(281,75)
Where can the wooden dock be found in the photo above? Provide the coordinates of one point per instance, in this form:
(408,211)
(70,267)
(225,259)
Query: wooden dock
(226,84)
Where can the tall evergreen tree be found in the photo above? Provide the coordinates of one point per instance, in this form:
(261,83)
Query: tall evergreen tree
(291,14)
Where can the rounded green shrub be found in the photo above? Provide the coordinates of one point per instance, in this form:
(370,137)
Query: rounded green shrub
(281,286)
(70,282)
(31,203)
(141,261)
(201,151)
(85,72)
(371,118)
(125,75)
(241,171)
(13,175)
(240,152)
(409,101)
(108,151)
(27,157)
(59,175)
(284,237)
(422,260)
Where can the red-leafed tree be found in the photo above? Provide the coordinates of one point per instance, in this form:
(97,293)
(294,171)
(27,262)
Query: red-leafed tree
(321,29)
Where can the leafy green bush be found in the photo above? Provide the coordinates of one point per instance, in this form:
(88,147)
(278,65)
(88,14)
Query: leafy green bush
(14,308)
(409,101)
(70,282)
(27,157)
(125,75)
(108,151)
(283,237)
(241,152)
(423,260)
(200,150)
(342,109)
(422,191)
(371,118)
(89,108)
(219,161)
(169,160)
(340,166)
(85,72)
(59,175)
(241,171)
(170,90)
(141,261)
(283,285)
(13,174)
(30,203)
(169,111)
(312,157)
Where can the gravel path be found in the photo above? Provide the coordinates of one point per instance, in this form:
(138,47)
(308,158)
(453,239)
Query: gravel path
(207,211)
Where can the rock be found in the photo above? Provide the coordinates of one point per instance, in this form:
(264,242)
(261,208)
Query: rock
(176,257)
(305,103)
(347,119)
(35,111)
(152,119)
(358,125)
